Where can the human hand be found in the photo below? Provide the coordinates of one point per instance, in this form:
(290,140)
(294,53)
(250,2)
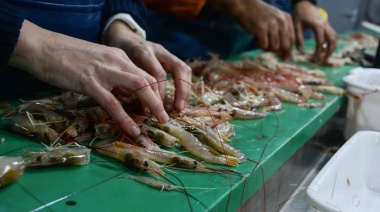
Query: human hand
(152,58)
(88,68)
(273,29)
(306,16)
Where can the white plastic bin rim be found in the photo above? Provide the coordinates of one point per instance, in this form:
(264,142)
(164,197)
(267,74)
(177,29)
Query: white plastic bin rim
(364,78)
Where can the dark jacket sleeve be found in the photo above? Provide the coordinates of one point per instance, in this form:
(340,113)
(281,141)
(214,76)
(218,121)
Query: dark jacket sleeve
(135,8)
(11,19)
(294,2)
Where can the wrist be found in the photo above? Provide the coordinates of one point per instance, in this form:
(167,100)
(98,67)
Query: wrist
(29,47)
(117,32)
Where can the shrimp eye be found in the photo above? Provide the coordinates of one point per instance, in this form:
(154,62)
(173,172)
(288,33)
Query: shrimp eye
(77,127)
(46,135)
(146,164)
(220,110)
(39,159)
(195,164)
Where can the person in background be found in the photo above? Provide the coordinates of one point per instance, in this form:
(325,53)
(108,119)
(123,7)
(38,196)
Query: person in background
(225,27)
(58,43)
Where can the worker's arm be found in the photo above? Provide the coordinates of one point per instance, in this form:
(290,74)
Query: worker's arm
(271,27)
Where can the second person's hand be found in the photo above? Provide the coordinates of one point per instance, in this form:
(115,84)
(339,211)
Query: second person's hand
(154,59)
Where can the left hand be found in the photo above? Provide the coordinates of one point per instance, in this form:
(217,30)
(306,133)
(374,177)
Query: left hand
(154,59)
(306,16)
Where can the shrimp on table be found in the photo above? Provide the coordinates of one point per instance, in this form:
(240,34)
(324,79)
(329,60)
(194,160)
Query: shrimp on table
(166,157)
(193,145)
(57,156)
(129,156)
(160,136)
(11,169)
(25,124)
(217,144)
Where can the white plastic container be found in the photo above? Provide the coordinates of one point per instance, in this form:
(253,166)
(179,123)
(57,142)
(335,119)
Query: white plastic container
(363,112)
(350,181)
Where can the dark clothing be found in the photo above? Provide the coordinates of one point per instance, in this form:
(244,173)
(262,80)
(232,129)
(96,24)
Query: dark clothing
(83,19)
(209,32)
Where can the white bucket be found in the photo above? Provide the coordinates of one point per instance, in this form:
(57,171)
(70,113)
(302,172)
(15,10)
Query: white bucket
(363,112)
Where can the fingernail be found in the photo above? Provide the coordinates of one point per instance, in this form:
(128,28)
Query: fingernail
(134,131)
(164,117)
(181,104)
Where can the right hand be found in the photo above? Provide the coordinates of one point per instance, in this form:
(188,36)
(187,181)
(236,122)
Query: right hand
(88,68)
(273,29)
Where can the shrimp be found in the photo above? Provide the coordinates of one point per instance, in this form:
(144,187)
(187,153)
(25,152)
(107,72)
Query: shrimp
(288,96)
(25,124)
(146,143)
(77,127)
(154,183)
(58,156)
(11,169)
(160,136)
(310,105)
(163,156)
(238,113)
(329,89)
(130,157)
(193,145)
(105,130)
(217,144)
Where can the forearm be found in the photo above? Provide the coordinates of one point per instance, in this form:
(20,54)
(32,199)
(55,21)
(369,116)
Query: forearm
(27,50)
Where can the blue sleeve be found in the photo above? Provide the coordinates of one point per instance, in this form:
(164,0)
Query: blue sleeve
(294,2)
(11,19)
(135,8)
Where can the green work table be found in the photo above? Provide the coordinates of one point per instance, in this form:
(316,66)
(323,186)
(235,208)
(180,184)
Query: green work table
(267,143)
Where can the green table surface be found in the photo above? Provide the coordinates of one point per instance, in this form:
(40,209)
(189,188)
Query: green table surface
(98,187)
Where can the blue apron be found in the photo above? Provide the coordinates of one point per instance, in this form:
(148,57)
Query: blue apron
(76,18)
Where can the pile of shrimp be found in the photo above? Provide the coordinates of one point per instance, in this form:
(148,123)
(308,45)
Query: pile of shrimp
(222,91)
(248,88)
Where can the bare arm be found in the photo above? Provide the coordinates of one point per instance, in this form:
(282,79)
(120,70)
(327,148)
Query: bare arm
(88,68)
(273,29)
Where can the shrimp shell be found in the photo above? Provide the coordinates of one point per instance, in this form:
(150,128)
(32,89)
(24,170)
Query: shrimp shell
(160,136)
(163,156)
(130,157)
(11,169)
(211,139)
(193,145)
(154,183)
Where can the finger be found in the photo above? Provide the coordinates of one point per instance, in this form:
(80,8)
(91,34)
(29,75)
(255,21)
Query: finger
(146,60)
(115,110)
(263,37)
(320,39)
(299,36)
(273,34)
(181,74)
(331,39)
(286,37)
(141,87)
